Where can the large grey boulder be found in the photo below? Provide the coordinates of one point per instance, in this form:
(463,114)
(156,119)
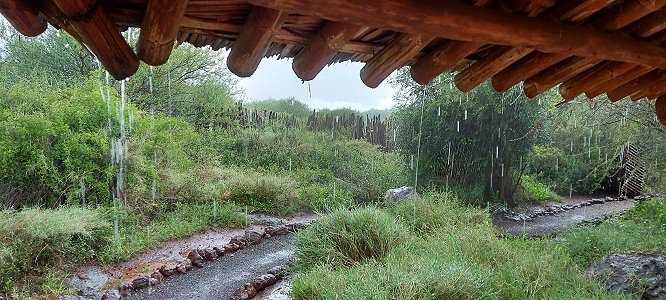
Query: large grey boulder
(400,193)
(641,274)
(90,283)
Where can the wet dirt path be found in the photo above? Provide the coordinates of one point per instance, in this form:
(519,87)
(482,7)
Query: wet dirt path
(549,225)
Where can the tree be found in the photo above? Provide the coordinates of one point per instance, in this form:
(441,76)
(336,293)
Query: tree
(468,140)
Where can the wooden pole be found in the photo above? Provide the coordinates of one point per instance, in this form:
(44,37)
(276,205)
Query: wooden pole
(254,39)
(550,77)
(100,35)
(441,59)
(159,29)
(393,56)
(500,58)
(642,83)
(23,16)
(328,41)
(618,81)
(459,21)
(525,68)
(586,80)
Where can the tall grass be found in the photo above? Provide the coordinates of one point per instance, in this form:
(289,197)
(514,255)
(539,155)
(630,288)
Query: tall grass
(345,237)
(34,240)
(453,252)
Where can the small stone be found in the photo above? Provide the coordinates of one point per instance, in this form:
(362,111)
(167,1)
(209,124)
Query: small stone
(209,254)
(152,281)
(243,293)
(157,275)
(124,290)
(140,282)
(263,281)
(277,230)
(278,271)
(252,237)
(181,269)
(218,251)
(112,294)
(167,271)
(196,259)
(229,248)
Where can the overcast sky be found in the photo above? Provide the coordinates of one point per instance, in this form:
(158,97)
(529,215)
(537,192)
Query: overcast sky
(336,86)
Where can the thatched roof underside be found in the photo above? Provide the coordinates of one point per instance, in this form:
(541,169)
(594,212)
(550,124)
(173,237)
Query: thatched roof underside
(586,47)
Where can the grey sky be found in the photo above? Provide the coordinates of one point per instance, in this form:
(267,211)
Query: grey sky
(336,86)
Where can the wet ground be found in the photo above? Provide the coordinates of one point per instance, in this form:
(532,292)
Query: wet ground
(549,225)
(218,279)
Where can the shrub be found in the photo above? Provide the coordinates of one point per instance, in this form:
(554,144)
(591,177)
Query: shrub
(650,212)
(345,237)
(532,190)
(433,211)
(34,240)
(263,192)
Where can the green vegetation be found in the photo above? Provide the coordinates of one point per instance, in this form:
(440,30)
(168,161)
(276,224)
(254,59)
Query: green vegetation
(535,191)
(454,253)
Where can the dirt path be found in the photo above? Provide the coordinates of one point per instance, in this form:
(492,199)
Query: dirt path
(546,225)
(218,279)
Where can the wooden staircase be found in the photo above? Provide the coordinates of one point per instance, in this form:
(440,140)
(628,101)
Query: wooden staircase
(632,172)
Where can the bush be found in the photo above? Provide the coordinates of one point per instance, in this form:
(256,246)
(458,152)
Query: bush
(433,211)
(532,190)
(263,192)
(649,212)
(345,237)
(34,240)
(459,259)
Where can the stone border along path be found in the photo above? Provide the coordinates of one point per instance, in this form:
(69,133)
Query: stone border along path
(197,258)
(548,220)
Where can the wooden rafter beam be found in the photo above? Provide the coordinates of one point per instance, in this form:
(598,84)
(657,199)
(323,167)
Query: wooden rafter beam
(159,29)
(459,21)
(649,25)
(489,65)
(642,83)
(23,15)
(525,68)
(577,11)
(586,80)
(552,76)
(393,56)
(618,81)
(644,28)
(441,59)
(532,8)
(326,43)
(254,39)
(656,90)
(626,13)
(100,35)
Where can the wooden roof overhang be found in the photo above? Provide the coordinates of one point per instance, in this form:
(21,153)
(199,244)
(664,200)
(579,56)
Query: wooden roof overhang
(586,47)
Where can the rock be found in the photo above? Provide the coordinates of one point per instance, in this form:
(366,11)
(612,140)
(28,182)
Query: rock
(152,281)
(167,271)
(181,269)
(243,293)
(209,254)
(277,230)
(567,207)
(72,297)
(609,198)
(644,274)
(229,248)
(278,271)
(263,281)
(252,237)
(196,259)
(400,193)
(124,289)
(112,294)
(218,251)
(297,226)
(89,283)
(597,201)
(140,282)
(157,276)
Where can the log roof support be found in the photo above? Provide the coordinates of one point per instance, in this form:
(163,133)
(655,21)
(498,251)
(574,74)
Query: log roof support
(159,29)
(660,109)
(454,20)
(586,80)
(393,56)
(254,39)
(23,16)
(328,41)
(100,35)
(488,66)
(618,81)
(631,87)
(552,76)
(441,59)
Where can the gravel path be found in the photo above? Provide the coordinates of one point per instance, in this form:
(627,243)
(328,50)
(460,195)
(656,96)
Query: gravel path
(552,224)
(218,279)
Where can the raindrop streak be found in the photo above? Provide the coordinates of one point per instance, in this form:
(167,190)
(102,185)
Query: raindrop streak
(439,111)
(570,190)
(465,114)
(496,151)
(502,173)
(290,166)
(458,126)
(557,164)
(411,162)
(150,80)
